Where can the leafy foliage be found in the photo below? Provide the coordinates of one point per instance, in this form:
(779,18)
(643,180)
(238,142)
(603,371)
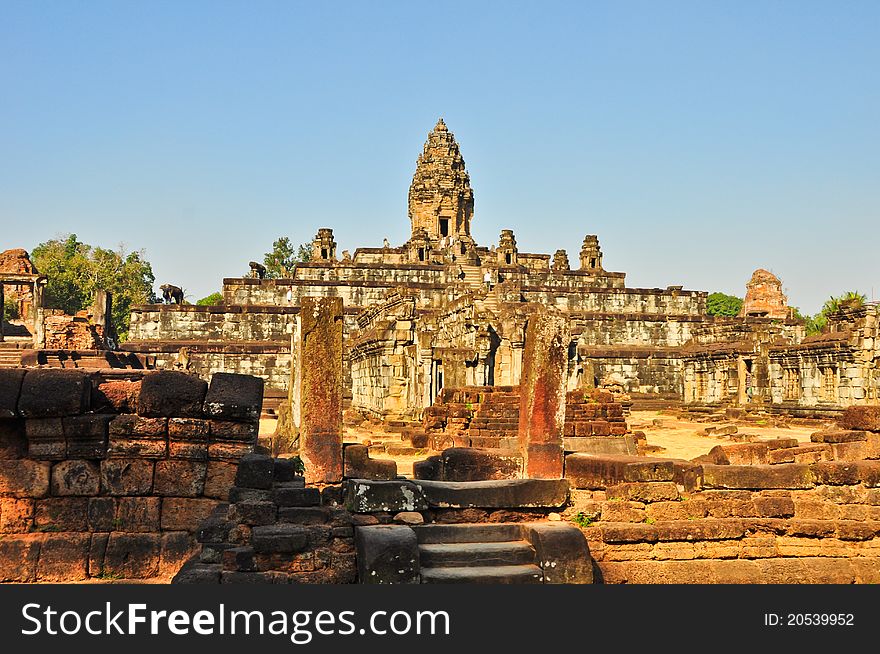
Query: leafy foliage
(816,324)
(281,260)
(76,270)
(211,300)
(10,310)
(849,300)
(721,304)
(581,519)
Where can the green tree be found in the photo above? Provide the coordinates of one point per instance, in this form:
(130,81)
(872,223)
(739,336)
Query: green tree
(816,324)
(211,300)
(282,259)
(76,270)
(849,300)
(721,304)
(10,309)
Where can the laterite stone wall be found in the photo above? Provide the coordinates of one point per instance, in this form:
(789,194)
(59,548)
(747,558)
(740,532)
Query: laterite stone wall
(109,476)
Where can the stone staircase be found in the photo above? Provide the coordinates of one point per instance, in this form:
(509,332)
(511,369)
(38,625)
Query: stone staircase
(10,354)
(473,276)
(476,554)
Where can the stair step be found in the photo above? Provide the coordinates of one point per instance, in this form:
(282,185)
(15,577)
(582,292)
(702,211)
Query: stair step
(469,533)
(501,574)
(454,555)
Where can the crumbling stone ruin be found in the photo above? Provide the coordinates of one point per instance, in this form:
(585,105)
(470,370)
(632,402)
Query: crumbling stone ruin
(467,304)
(41,334)
(768,364)
(764,297)
(509,378)
(108,475)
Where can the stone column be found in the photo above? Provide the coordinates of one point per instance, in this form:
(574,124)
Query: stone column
(542,393)
(2,310)
(39,314)
(319,371)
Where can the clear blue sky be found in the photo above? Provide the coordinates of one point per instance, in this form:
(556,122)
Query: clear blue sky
(699,140)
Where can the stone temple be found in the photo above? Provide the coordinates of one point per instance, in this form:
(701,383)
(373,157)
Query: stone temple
(439,310)
(510,378)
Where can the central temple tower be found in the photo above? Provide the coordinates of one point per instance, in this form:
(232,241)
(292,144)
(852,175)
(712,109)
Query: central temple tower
(441,201)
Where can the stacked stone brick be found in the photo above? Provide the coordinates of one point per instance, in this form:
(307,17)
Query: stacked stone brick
(746,514)
(274,530)
(488,416)
(103,477)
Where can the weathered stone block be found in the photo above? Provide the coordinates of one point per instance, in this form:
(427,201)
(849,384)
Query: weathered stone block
(387,554)
(64,558)
(255,471)
(118,396)
(76,477)
(179,478)
(193,450)
(10,390)
(303,515)
(657,491)
(503,493)
(473,464)
(146,448)
(130,425)
(234,397)
(132,556)
(368,496)
(847,473)
(188,429)
(294,494)
(45,438)
(135,514)
(62,514)
(52,393)
(86,435)
(186,513)
(198,573)
(740,454)
(127,476)
(774,507)
(786,475)
(253,513)
(861,418)
(239,559)
(175,549)
(588,471)
(101,513)
(229,451)
(220,477)
(229,430)
(19,555)
(171,394)
(16,515)
(97,549)
(357,464)
(24,478)
(13,443)
(283,539)
(561,552)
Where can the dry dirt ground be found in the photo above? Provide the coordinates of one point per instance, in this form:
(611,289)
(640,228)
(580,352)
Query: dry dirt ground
(667,435)
(680,439)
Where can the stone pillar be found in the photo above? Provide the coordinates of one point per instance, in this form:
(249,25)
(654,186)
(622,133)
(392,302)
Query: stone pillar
(319,370)
(2,310)
(39,314)
(102,316)
(542,393)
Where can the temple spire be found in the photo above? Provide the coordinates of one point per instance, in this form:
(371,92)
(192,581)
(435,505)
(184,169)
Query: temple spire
(441,200)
